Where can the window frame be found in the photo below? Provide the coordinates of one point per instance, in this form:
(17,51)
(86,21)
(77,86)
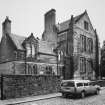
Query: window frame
(86,25)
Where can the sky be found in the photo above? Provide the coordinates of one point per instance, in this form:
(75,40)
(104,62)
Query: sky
(27,16)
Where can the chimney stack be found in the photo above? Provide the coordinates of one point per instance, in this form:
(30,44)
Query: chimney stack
(6,26)
(50,20)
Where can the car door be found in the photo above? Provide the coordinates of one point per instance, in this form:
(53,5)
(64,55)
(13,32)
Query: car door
(92,88)
(68,86)
(87,88)
(80,87)
(71,87)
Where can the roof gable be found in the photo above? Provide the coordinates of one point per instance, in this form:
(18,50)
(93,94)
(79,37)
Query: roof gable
(17,40)
(29,39)
(44,46)
(65,25)
(78,17)
(86,18)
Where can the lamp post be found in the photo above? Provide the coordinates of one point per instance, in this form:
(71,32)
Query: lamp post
(99,72)
(25,53)
(25,61)
(57,61)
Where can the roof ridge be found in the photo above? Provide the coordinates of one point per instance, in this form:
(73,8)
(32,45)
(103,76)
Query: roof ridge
(79,16)
(18,35)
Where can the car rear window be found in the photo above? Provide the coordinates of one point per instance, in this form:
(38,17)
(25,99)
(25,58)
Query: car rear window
(93,83)
(70,84)
(79,84)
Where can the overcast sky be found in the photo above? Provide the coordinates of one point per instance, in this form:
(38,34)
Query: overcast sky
(28,15)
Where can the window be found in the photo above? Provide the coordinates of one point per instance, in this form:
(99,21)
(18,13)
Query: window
(79,84)
(85,84)
(87,44)
(33,50)
(35,69)
(91,45)
(93,83)
(82,65)
(86,25)
(48,69)
(15,53)
(83,43)
(22,55)
(70,84)
(28,48)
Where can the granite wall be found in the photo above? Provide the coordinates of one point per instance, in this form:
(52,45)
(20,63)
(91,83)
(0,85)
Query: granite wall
(15,86)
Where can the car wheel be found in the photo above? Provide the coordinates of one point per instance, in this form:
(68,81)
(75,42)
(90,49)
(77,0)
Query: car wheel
(97,91)
(82,94)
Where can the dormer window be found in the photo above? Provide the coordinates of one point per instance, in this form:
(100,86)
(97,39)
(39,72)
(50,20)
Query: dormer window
(28,50)
(33,50)
(86,25)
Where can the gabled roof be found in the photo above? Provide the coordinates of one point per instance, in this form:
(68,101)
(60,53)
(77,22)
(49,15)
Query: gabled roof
(78,17)
(44,46)
(30,37)
(65,25)
(17,40)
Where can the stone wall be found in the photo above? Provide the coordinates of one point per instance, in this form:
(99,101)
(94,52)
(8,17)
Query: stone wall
(15,86)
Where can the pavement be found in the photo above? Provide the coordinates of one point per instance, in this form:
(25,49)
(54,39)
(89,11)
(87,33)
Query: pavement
(28,99)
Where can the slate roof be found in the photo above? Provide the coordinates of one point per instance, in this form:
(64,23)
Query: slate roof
(44,46)
(17,40)
(65,25)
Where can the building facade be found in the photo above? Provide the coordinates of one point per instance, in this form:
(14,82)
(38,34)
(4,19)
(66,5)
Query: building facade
(26,55)
(102,60)
(76,42)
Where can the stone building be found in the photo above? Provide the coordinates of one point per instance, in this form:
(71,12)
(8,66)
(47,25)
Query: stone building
(25,55)
(102,63)
(76,42)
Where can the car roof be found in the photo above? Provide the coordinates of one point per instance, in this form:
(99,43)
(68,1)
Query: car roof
(76,81)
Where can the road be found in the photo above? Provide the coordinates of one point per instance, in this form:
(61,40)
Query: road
(89,100)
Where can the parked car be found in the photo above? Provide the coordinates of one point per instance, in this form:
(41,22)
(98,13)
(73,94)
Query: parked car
(78,87)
